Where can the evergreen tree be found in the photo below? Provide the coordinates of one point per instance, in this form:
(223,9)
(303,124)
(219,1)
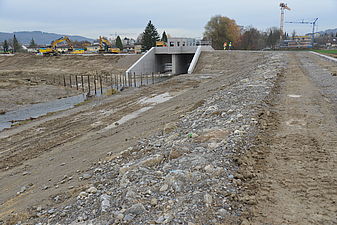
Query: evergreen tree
(16,45)
(150,36)
(119,43)
(164,37)
(5,46)
(32,44)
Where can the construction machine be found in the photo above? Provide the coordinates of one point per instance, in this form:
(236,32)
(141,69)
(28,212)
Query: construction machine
(51,50)
(105,46)
(161,44)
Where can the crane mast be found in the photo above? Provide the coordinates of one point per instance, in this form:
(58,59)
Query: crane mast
(283,8)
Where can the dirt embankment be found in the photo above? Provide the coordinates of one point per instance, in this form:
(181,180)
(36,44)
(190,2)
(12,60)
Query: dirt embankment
(293,166)
(239,143)
(44,159)
(29,79)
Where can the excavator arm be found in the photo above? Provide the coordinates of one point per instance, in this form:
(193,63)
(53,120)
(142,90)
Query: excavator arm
(65,38)
(108,46)
(102,41)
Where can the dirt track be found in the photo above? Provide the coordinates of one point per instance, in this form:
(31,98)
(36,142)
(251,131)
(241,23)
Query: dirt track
(290,176)
(296,156)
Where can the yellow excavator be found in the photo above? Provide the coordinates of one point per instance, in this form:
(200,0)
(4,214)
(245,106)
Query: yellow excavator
(51,50)
(105,46)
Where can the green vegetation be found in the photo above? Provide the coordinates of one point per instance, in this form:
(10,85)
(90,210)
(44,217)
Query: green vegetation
(32,44)
(164,37)
(16,45)
(327,51)
(5,46)
(119,43)
(150,36)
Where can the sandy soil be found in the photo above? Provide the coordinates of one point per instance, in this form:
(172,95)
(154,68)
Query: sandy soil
(290,176)
(30,79)
(294,163)
(69,142)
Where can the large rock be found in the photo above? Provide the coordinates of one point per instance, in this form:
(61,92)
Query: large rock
(213,135)
(169,127)
(136,209)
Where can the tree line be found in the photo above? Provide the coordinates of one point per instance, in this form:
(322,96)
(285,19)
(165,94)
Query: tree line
(12,45)
(220,30)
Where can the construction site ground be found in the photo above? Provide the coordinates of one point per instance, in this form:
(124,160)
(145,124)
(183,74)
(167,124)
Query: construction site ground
(281,169)
(30,79)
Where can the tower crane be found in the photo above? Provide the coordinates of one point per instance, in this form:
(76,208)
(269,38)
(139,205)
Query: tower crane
(314,23)
(283,8)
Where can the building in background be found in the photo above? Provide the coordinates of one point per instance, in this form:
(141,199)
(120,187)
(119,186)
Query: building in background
(297,42)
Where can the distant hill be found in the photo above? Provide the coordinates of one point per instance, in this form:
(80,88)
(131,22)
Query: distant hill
(40,38)
(330,31)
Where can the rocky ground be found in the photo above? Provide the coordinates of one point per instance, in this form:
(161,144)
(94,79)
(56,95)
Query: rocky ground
(234,147)
(183,175)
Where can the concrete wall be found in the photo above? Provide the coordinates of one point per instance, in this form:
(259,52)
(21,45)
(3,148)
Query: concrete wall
(197,56)
(183,60)
(145,65)
(161,60)
(176,50)
(194,61)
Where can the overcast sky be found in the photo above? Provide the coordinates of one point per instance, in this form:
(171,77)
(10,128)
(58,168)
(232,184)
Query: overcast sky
(179,18)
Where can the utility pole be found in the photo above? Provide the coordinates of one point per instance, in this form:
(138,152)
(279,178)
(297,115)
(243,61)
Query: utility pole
(283,8)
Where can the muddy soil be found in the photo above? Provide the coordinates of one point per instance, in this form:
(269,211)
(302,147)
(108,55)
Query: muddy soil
(29,79)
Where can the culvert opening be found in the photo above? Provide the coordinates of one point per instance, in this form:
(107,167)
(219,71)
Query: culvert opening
(173,64)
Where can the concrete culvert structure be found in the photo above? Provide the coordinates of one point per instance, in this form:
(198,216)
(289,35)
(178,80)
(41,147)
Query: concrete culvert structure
(175,59)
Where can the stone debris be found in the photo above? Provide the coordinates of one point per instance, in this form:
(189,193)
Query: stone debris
(186,174)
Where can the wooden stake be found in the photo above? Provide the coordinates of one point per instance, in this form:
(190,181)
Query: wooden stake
(82,80)
(100,81)
(76,82)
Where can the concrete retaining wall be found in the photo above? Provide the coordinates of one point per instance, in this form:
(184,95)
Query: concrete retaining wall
(145,65)
(194,60)
(184,60)
(325,56)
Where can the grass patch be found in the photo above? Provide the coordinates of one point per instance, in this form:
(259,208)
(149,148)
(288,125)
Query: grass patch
(334,51)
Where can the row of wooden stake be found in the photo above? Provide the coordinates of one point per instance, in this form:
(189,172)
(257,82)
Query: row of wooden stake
(96,82)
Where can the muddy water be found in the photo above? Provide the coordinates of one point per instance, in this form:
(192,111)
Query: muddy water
(36,110)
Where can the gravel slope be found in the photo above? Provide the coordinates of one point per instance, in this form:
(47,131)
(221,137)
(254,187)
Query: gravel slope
(184,174)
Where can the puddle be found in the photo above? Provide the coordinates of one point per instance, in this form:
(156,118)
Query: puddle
(36,110)
(294,96)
